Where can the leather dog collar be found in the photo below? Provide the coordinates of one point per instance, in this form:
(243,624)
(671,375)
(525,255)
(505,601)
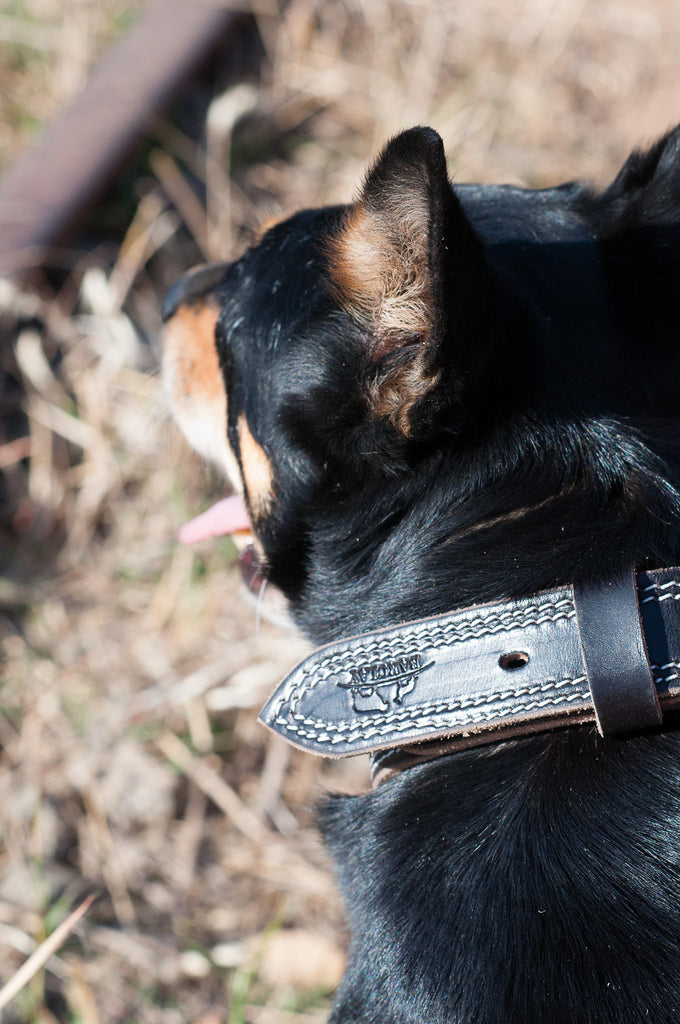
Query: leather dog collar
(608,653)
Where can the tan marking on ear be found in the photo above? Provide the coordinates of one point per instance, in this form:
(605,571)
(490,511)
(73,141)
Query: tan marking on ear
(266,225)
(193,382)
(379,266)
(257,471)
(382,275)
(394,396)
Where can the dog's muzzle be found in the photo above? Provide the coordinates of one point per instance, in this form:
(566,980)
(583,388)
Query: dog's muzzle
(608,653)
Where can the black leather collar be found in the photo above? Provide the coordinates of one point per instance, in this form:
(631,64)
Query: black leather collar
(608,653)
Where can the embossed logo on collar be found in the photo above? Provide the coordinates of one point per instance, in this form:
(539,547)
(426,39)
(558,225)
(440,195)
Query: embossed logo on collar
(379,685)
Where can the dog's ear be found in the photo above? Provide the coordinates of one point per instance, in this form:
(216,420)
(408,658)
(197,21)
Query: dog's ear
(407,264)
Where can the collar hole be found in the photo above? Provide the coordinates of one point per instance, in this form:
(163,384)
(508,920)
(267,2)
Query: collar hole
(513,660)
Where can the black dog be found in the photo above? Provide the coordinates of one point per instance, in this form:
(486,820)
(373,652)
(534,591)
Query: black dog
(437,398)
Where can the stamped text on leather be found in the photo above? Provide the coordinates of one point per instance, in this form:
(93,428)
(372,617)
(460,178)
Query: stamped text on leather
(377,686)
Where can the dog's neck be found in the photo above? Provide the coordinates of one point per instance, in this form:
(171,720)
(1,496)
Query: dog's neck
(548,865)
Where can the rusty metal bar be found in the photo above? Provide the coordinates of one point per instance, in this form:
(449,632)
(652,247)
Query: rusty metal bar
(45,190)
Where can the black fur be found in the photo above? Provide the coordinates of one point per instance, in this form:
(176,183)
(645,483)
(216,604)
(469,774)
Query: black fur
(538,880)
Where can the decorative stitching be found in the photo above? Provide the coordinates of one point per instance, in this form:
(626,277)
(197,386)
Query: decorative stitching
(459,703)
(659,586)
(653,590)
(421,716)
(436,721)
(669,676)
(428,637)
(424,638)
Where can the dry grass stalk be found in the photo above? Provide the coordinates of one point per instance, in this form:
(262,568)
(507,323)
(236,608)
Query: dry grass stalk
(45,950)
(212,785)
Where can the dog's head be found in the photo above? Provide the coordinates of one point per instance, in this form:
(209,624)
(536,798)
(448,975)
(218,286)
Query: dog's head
(431,397)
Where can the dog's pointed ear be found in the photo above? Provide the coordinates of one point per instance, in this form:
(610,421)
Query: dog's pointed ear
(408,264)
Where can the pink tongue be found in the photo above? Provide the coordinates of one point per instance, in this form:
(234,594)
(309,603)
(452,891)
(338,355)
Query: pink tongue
(227,516)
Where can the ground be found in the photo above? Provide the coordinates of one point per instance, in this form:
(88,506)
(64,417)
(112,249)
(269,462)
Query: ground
(131,763)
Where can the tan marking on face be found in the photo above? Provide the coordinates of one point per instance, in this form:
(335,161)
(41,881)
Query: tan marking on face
(194,385)
(257,471)
(190,335)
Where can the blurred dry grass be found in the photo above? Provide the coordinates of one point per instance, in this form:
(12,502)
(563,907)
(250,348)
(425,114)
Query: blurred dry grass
(131,764)
(47,50)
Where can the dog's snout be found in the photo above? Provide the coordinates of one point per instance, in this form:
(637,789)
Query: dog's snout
(192,286)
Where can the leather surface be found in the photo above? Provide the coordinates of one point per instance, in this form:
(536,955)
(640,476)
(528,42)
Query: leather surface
(615,656)
(441,679)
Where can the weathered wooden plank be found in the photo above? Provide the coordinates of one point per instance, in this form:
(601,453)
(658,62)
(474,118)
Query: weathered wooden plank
(44,191)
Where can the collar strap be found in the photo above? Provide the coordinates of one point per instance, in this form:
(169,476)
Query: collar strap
(608,653)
